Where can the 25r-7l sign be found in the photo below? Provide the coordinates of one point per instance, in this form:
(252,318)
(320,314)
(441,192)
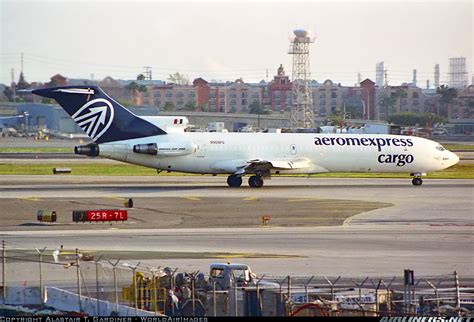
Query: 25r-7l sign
(99,215)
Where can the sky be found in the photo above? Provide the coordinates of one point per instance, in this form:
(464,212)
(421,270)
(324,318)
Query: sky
(228,40)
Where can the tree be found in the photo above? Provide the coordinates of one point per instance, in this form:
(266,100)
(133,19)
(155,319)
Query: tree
(142,88)
(413,119)
(169,106)
(141,77)
(132,86)
(387,103)
(337,118)
(8,92)
(190,106)
(448,94)
(257,108)
(178,79)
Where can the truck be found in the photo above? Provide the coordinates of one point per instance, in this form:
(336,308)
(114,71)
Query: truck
(225,275)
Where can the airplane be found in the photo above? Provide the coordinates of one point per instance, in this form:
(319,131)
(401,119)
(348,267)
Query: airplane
(120,135)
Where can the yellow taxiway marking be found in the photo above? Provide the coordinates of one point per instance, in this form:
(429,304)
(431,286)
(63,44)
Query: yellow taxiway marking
(302,199)
(192,198)
(33,198)
(250,198)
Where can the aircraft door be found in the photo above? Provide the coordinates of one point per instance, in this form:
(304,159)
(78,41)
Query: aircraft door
(201,150)
(293,149)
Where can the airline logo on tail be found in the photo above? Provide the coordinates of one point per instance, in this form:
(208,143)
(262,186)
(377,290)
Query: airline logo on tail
(95,117)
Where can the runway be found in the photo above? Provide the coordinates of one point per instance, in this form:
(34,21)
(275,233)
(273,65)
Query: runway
(429,229)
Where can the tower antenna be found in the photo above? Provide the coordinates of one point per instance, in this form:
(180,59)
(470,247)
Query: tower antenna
(302,113)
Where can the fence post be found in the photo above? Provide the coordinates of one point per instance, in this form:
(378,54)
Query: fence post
(214,300)
(79,288)
(332,284)
(359,286)
(4,272)
(457,295)
(236,311)
(306,294)
(40,255)
(97,289)
(114,271)
(260,305)
(173,288)
(193,292)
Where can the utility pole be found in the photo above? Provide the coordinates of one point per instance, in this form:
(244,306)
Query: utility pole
(147,72)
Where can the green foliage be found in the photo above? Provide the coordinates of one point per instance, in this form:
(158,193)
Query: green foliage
(257,108)
(448,94)
(336,118)
(190,106)
(354,112)
(459,171)
(140,77)
(8,92)
(387,104)
(178,78)
(169,106)
(412,119)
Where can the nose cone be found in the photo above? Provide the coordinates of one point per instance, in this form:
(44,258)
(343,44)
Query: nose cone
(453,158)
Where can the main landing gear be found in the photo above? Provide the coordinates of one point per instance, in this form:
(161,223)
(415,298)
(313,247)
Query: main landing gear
(256,181)
(235,181)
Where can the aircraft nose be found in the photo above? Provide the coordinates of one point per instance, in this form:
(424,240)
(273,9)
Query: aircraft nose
(454,157)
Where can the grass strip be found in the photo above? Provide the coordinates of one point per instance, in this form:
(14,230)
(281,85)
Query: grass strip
(460,171)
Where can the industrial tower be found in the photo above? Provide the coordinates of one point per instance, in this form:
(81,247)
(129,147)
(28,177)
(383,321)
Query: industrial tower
(457,72)
(302,114)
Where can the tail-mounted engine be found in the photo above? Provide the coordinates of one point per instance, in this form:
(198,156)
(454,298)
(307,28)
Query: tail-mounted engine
(165,149)
(91,150)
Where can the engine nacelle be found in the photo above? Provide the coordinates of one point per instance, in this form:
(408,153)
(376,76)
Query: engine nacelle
(91,150)
(165,149)
(151,148)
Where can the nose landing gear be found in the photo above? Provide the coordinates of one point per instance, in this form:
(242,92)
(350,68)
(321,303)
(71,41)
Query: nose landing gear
(417,181)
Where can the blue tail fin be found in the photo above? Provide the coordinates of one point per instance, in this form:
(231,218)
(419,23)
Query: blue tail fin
(102,118)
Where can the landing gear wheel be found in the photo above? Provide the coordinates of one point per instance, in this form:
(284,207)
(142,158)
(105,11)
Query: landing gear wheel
(256,182)
(234,181)
(417,181)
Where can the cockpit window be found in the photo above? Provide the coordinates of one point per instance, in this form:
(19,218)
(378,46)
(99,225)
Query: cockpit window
(440,148)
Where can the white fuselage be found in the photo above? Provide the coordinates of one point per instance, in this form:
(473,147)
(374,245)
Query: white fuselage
(227,152)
